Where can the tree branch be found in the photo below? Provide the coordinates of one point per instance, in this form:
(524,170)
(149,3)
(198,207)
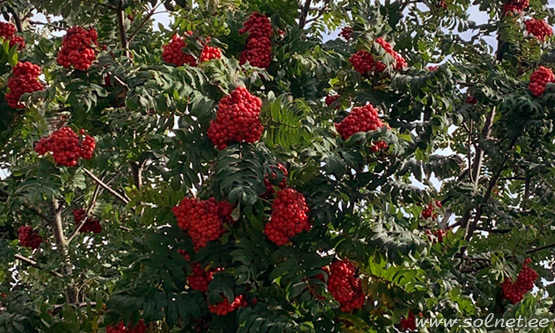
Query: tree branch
(106,187)
(541,248)
(143,22)
(61,244)
(304,14)
(33,263)
(120,15)
(86,217)
(16,19)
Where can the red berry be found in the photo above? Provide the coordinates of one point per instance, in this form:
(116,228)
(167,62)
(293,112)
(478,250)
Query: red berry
(202,219)
(65,146)
(90,226)
(258,51)
(471,100)
(539,80)
(408,323)
(516,6)
(364,62)
(539,29)
(24,79)
(78,48)
(122,328)
(289,217)
(237,119)
(208,53)
(7,32)
(28,237)
(330,99)
(173,52)
(270,180)
(514,291)
(345,286)
(362,119)
(346,33)
(224,307)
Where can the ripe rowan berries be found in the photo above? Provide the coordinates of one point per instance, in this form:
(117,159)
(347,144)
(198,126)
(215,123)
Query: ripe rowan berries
(65,146)
(90,226)
(289,217)
(400,62)
(516,6)
(345,286)
(432,68)
(24,79)
(539,29)
(258,50)
(539,80)
(208,53)
(28,237)
(202,219)
(362,119)
(122,328)
(173,52)
(224,307)
(346,33)
(237,119)
(330,99)
(514,291)
(7,32)
(78,48)
(429,211)
(408,323)
(270,180)
(364,62)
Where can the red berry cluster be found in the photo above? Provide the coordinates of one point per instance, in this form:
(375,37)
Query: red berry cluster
(330,99)
(7,32)
(258,51)
(270,180)
(224,307)
(539,80)
(400,62)
(345,286)
(409,323)
(237,119)
(346,33)
(78,48)
(65,146)
(471,100)
(122,328)
(364,62)
(200,278)
(28,237)
(89,226)
(432,68)
(289,216)
(436,235)
(361,119)
(173,52)
(516,6)
(24,79)
(514,291)
(429,210)
(539,28)
(202,219)
(209,52)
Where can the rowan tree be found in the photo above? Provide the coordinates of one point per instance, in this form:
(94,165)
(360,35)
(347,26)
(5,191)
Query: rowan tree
(275,166)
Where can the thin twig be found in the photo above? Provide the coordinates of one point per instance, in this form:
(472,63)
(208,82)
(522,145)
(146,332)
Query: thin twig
(120,15)
(143,22)
(304,14)
(106,187)
(86,217)
(33,263)
(541,248)
(16,19)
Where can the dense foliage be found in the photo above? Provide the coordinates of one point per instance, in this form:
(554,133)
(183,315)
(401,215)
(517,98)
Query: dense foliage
(244,169)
